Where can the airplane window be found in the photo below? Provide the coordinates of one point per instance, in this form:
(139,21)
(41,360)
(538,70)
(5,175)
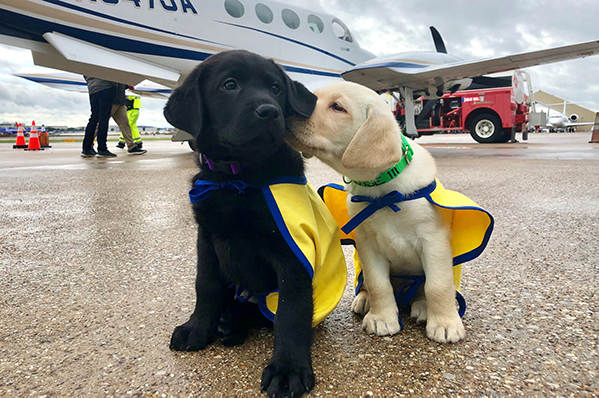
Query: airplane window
(234,8)
(341,31)
(264,13)
(290,18)
(315,23)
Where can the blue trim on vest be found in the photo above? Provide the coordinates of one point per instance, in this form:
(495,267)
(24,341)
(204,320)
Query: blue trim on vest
(276,213)
(335,186)
(471,255)
(263,307)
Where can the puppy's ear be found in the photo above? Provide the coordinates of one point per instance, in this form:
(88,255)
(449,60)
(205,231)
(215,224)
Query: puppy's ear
(376,145)
(299,98)
(184,108)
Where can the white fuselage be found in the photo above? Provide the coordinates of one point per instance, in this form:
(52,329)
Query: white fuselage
(181,33)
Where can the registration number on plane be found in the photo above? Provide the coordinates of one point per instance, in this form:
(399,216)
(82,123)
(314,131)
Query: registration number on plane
(167,5)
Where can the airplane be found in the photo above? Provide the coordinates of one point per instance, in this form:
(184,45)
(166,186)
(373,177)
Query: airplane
(130,41)
(560,120)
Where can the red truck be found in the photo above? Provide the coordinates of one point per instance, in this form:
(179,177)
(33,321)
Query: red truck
(491,115)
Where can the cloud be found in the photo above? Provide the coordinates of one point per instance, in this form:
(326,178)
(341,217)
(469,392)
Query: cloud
(470,29)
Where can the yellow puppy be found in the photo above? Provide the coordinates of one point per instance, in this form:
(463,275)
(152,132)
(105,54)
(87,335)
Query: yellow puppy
(353,131)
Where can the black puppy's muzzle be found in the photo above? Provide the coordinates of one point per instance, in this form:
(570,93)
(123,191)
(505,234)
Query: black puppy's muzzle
(268,112)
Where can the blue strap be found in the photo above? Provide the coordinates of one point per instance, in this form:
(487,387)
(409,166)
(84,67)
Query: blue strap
(203,189)
(407,293)
(461,304)
(388,200)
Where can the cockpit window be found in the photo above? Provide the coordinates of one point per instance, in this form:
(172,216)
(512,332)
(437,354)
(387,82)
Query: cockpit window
(290,18)
(315,23)
(234,8)
(264,13)
(341,31)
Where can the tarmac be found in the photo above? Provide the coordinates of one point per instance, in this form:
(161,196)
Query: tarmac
(97,266)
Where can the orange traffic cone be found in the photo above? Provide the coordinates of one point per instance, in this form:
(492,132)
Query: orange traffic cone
(20,138)
(34,140)
(595,134)
(44,138)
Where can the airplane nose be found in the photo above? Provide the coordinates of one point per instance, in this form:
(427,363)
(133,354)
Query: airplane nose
(268,111)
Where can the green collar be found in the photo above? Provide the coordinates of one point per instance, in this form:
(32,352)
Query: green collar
(406,159)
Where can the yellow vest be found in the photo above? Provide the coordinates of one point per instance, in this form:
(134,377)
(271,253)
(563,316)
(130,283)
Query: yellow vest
(470,225)
(136,101)
(310,231)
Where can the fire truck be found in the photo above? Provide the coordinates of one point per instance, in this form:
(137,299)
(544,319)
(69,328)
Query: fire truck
(490,115)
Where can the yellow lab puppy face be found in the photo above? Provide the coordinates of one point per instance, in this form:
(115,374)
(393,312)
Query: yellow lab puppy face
(350,128)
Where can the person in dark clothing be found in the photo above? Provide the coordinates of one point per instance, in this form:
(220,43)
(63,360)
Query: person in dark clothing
(101,97)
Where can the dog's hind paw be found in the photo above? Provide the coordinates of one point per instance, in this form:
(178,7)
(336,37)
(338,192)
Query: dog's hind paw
(190,337)
(287,380)
(419,310)
(361,304)
(381,325)
(445,329)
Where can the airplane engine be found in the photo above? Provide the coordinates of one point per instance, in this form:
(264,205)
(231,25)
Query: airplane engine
(574,117)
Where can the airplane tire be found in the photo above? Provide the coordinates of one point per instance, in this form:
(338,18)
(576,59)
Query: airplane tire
(486,129)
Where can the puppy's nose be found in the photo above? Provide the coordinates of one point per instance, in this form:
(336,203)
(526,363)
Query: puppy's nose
(268,111)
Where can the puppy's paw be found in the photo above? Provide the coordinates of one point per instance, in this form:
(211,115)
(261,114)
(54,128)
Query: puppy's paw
(381,324)
(445,329)
(419,310)
(230,332)
(281,379)
(191,336)
(361,304)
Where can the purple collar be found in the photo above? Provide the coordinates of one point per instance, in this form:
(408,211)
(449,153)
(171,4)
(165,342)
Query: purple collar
(232,168)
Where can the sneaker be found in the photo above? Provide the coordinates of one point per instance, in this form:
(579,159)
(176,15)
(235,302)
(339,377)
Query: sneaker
(140,144)
(94,151)
(136,150)
(120,145)
(88,153)
(105,154)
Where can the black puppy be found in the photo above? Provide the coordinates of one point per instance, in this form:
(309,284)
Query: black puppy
(235,104)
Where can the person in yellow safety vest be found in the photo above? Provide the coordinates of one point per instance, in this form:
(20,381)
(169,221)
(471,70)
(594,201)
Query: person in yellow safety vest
(133,103)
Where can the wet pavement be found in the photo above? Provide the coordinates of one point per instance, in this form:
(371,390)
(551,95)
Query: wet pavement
(97,266)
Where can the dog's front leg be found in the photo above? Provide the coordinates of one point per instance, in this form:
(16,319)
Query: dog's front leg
(383,316)
(200,330)
(289,372)
(443,323)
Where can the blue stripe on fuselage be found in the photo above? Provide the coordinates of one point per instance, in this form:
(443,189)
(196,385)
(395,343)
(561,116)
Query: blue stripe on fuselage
(37,27)
(292,41)
(124,21)
(53,81)
(395,64)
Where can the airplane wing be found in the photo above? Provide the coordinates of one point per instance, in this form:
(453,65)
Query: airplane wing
(74,82)
(389,72)
(90,56)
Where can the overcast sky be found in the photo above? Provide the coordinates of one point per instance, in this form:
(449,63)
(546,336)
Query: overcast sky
(471,29)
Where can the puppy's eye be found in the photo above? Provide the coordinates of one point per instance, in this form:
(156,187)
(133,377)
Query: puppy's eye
(276,88)
(230,84)
(337,107)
